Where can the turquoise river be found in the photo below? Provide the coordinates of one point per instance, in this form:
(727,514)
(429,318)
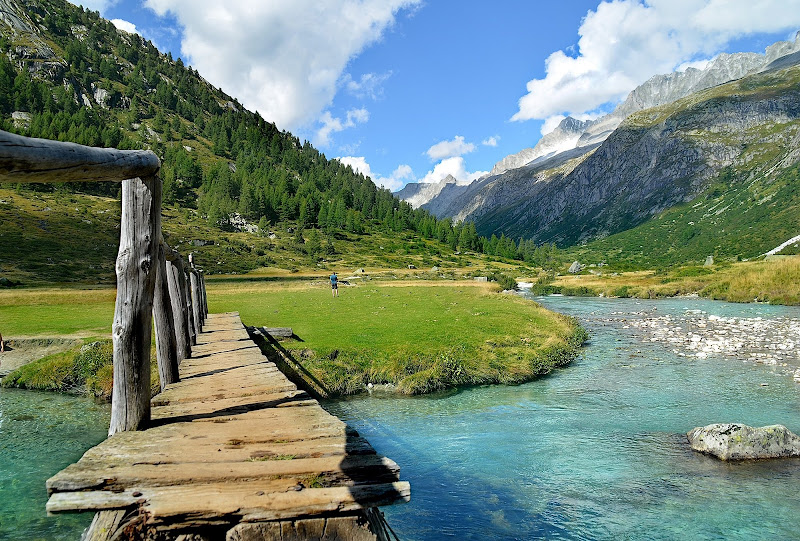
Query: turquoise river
(596,450)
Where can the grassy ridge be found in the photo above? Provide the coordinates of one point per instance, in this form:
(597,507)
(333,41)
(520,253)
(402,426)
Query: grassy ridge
(419,337)
(63,237)
(774,281)
(732,219)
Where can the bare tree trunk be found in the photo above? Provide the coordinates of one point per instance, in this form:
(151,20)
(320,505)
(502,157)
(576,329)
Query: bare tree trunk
(177,297)
(140,233)
(27,159)
(166,340)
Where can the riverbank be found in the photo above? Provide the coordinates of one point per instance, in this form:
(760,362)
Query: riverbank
(773,280)
(409,337)
(598,450)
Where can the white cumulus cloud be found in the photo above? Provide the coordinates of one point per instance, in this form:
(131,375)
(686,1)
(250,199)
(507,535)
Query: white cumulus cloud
(369,86)
(393,182)
(124,25)
(283,59)
(448,149)
(331,124)
(623,42)
(491,141)
(454,166)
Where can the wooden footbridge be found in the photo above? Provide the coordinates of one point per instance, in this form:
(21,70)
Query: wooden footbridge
(230,449)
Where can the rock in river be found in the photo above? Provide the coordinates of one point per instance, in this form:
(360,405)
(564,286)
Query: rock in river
(730,441)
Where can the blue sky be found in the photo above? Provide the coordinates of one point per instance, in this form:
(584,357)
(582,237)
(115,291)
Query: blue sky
(411,90)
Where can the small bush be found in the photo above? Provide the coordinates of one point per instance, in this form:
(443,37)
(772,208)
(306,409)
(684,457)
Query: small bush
(84,370)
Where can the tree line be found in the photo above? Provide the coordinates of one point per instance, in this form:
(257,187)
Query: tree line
(115,89)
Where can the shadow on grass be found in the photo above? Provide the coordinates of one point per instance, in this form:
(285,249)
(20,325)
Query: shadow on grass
(286,363)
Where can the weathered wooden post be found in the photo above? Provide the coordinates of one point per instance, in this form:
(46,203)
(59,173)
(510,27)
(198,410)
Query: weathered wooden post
(205,295)
(177,297)
(189,306)
(26,159)
(195,300)
(166,339)
(137,265)
(186,307)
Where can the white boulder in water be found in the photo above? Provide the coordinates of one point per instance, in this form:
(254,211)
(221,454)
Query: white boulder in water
(731,441)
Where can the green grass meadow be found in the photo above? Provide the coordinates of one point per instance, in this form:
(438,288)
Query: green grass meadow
(56,312)
(416,336)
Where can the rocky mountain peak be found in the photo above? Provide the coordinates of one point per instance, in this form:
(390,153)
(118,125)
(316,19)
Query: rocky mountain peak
(449,179)
(658,90)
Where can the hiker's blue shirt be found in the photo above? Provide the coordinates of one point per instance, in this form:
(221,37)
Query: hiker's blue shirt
(334,279)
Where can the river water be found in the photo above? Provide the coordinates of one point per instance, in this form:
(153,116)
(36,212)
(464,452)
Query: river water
(596,450)
(41,433)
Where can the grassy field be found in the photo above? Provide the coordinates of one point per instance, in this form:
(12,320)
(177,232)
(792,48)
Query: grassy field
(418,336)
(774,281)
(53,312)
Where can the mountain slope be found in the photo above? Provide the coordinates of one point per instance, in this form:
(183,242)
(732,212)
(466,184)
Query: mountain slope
(573,136)
(67,74)
(734,140)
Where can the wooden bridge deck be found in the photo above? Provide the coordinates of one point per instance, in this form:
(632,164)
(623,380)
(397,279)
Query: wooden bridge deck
(233,441)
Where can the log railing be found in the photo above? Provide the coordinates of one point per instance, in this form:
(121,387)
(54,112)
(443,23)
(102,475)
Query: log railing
(153,282)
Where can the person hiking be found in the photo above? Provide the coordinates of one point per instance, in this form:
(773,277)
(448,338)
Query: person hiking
(334,285)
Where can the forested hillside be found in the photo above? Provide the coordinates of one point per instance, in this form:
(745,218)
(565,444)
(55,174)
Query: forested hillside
(68,74)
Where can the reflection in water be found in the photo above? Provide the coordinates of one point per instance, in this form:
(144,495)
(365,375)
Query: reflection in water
(41,433)
(597,450)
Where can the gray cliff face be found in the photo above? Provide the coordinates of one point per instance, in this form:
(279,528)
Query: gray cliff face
(642,169)
(514,185)
(449,192)
(36,55)
(417,194)
(564,137)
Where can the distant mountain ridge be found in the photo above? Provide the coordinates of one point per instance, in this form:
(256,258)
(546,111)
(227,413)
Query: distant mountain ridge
(718,169)
(730,148)
(658,90)
(572,134)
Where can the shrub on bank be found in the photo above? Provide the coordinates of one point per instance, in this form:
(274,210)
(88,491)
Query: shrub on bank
(79,371)
(87,369)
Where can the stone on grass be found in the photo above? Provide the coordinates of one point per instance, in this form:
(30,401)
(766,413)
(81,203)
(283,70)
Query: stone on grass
(575,268)
(732,441)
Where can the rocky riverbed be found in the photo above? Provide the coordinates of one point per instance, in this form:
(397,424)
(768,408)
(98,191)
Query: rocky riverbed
(697,334)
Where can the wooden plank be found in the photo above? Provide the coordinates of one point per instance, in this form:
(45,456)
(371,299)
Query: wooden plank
(277,332)
(27,159)
(248,501)
(107,475)
(233,405)
(219,392)
(233,440)
(206,451)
